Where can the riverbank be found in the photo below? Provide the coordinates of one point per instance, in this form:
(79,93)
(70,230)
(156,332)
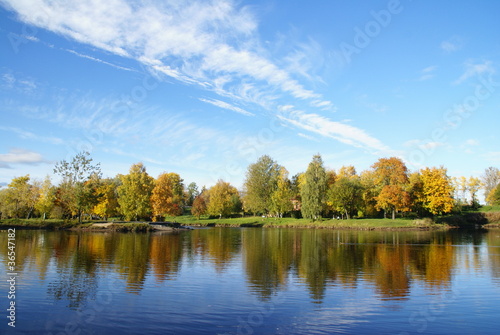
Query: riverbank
(470,220)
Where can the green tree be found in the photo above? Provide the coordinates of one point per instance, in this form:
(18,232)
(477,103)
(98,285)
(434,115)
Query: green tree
(20,197)
(79,182)
(346,195)
(135,193)
(313,190)
(167,196)
(220,199)
(281,199)
(47,196)
(192,193)
(261,182)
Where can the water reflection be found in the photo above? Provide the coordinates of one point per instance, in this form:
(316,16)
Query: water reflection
(392,263)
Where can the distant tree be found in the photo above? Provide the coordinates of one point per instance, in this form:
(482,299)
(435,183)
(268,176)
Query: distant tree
(416,192)
(192,193)
(260,183)
(474,185)
(167,196)
(47,196)
(281,199)
(134,194)
(313,191)
(369,202)
(437,190)
(346,195)
(79,178)
(490,179)
(199,206)
(346,172)
(393,198)
(220,199)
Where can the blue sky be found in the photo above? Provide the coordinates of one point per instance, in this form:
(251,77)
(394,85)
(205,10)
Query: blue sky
(204,88)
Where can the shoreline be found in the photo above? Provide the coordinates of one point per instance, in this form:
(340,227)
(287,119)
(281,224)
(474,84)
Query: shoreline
(453,222)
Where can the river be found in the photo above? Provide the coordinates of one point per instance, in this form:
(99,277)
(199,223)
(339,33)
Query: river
(253,281)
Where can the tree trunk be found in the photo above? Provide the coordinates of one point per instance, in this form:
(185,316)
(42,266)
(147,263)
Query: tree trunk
(393,214)
(346,214)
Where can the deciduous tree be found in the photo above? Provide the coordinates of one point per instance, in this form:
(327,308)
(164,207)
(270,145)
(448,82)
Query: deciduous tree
(260,183)
(490,179)
(281,199)
(107,191)
(220,199)
(167,196)
(393,198)
(47,196)
(199,206)
(79,178)
(437,190)
(346,195)
(135,193)
(313,190)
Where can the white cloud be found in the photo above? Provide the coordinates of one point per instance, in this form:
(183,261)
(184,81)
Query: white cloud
(339,131)
(194,42)
(227,106)
(475,69)
(31,136)
(19,156)
(98,60)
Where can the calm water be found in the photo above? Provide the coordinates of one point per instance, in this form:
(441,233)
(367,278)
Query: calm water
(254,281)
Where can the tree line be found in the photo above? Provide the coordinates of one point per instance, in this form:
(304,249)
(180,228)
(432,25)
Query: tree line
(388,188)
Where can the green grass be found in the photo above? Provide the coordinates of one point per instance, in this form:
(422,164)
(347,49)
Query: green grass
(303,223)
(486,209)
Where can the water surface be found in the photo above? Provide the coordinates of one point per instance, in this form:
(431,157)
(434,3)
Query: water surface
(254,281)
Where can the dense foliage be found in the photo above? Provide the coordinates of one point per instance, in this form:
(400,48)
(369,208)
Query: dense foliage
(388,187)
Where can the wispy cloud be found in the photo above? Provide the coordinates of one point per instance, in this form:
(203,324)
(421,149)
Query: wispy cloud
(198,40)
(473,69)
(32,136)
(20,156)
(427,73)
(98,60)
(339,131)
(227,106)
(453,44)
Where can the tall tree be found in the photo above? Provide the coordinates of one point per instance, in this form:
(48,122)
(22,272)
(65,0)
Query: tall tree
(390,172)
(260,183)
(167,196)
(135,193)
(313,191)
(281,199)
(437,190)
(47,196)
(490,179)
(220,199)
(346,195)
(79,177)
(494,197)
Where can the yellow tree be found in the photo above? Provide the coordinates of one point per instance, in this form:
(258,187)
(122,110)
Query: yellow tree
(281,199)
(393,198)
(107,205)
(346,172)
(437,189)
(47,196)
(168,195)
(221,199)
(474,185)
